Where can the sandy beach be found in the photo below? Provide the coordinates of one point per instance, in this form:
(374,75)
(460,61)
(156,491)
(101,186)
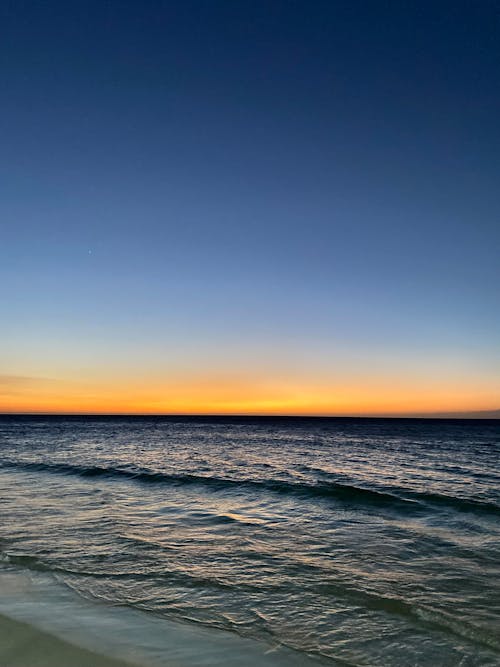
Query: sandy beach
(22,645)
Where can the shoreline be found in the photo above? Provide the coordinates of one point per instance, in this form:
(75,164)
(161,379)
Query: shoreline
(23,645)
(44,623)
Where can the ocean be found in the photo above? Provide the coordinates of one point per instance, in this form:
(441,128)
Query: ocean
(289,541)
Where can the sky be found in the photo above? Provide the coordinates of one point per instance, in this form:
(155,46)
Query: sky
(250,207)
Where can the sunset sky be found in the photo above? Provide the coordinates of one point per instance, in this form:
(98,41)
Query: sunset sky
(250,207)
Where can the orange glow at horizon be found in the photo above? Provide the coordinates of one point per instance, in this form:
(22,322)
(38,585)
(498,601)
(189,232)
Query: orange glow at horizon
(207,395)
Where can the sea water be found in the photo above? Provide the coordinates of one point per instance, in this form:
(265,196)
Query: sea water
(292,541)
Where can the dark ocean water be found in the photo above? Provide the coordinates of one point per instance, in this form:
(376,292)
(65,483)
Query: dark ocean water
(360,541)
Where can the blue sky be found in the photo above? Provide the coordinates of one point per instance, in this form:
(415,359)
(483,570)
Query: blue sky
(252,187)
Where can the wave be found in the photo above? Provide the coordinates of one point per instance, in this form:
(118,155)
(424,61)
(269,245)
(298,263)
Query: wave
(436,618)
(35,564)
(462,504)
(25,562)
(344,492)
(447,622)
(439,620)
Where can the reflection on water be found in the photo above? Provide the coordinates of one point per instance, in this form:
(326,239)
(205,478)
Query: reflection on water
(368,541)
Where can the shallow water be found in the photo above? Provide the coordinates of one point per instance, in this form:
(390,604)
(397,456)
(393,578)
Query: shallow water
(362,542)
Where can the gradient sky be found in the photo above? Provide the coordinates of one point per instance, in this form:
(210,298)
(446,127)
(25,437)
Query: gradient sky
(250,207)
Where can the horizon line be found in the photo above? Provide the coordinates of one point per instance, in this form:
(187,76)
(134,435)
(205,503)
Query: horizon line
(476,415)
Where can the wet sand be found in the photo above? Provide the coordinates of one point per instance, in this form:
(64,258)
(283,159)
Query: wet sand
(22,645)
